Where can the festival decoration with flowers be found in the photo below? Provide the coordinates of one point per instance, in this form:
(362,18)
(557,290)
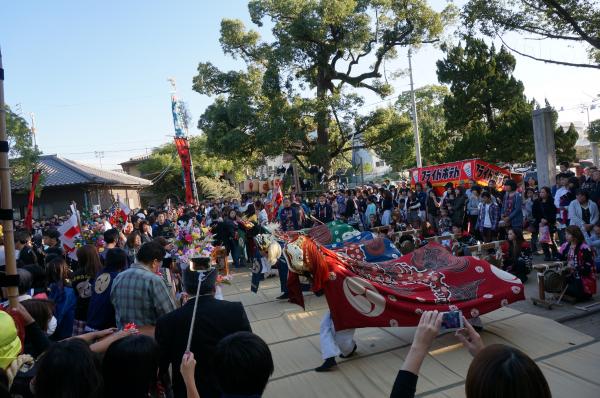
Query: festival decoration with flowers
(91,234)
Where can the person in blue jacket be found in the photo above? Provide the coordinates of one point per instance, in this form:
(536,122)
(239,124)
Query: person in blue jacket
(63,296)
(101,313)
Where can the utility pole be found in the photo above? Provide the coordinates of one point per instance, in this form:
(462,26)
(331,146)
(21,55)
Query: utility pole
(6,209)
(99,155)
(414,112)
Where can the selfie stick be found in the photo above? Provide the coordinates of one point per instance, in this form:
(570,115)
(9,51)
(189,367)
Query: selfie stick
(189,340)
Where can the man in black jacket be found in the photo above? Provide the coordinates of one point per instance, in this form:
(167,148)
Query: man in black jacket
(215,319)
(323,210)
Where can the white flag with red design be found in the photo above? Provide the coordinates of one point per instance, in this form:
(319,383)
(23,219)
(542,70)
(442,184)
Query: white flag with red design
(69,231)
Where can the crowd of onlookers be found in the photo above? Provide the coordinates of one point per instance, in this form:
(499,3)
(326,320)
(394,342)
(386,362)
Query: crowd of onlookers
(115,321)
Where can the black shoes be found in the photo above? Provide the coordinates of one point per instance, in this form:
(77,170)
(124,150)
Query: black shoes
(328,365)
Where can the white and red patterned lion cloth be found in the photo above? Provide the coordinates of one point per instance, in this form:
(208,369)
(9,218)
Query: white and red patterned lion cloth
(396,292)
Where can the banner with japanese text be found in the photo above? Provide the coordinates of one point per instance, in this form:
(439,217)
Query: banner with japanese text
(457,172)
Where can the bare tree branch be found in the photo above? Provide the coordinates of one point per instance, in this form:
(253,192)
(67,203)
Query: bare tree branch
(567,17)
(549,61)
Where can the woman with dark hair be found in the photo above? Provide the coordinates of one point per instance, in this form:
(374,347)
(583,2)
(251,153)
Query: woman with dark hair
(500,370)
(68,369)
(132,245)
(145,232)
(532,184)
(497,371)
(63,296)
(41,311)
(386,207)
(581,280)
(517,256)
(89,266)
(544,214)
(413,207)
(130,368)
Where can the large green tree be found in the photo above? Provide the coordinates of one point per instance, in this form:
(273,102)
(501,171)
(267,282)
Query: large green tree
(23,155)
(593,131)
(564,141)
(487,112)
(567,21)
(436,140)
(299,94)
(164,167)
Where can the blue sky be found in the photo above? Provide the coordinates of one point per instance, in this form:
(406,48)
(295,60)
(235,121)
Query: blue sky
(94,73)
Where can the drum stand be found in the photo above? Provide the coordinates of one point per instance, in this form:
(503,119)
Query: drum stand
(541,300)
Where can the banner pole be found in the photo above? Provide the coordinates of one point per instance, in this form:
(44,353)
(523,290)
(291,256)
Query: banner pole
(6,199)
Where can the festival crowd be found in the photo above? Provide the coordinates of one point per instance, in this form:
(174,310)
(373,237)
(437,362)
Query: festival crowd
(112,318)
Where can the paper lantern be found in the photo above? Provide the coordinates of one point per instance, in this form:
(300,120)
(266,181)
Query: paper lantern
(265,186)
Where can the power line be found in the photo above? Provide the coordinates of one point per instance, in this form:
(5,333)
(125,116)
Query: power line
(104,151)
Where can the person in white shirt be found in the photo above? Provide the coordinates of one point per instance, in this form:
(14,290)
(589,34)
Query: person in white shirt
(583,212)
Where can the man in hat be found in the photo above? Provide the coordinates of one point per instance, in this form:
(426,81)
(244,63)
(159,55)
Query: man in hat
(215,319)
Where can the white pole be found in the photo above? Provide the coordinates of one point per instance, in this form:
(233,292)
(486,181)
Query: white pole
(414,113)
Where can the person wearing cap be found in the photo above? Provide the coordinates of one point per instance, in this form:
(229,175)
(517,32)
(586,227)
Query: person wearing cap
(215,319)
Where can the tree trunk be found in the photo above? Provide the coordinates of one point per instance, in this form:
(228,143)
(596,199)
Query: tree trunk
(322,149)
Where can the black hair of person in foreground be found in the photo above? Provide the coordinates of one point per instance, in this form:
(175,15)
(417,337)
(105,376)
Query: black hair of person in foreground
(130,367)
(242,363)
(497,371)
(68,369)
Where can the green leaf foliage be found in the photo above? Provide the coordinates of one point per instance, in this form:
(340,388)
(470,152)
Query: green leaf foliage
(565,144)
(164,166)
(435,139)
(212,188)
(594,131)
(23,156)
(568,21)
(487,113)
(300,92)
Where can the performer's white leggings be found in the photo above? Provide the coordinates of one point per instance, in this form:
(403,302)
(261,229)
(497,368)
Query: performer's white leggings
(334,343)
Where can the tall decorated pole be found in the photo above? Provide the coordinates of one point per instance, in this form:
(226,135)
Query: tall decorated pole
(6,210)
(180,123)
